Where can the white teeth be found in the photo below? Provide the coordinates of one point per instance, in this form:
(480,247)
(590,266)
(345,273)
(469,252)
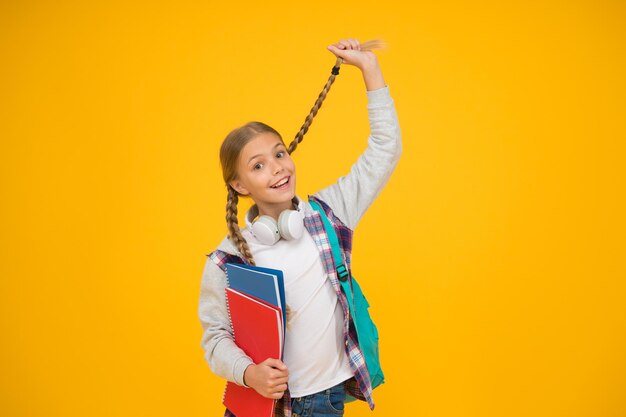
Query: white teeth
(280,183)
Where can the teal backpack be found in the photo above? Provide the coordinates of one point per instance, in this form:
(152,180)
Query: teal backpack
(358,305)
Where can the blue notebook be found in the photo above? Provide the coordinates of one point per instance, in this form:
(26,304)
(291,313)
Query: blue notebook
(263,283)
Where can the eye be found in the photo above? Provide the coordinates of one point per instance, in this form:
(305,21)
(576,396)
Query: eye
(280,154)
(257,166)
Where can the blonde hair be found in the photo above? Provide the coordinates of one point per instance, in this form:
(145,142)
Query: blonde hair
(229,157)
(239,137)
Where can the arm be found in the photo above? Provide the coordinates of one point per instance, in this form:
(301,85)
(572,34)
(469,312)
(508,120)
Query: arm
(224,357)
(352,194)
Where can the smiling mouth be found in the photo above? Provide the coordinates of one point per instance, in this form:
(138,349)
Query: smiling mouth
(281,183)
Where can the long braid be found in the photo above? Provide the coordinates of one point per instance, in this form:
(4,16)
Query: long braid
(233,198)
(365,46)
(318,103)
(233,225)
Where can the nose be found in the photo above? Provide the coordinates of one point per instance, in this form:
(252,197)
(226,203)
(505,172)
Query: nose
(277,168)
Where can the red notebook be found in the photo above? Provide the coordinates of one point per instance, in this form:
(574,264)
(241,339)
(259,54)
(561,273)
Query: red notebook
(258,329)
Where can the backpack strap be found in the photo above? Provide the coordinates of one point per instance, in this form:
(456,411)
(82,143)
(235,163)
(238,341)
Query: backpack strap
(367,333)
(221,258)
(342,271)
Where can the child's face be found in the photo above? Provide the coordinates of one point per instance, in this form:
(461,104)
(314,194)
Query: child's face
(266,172)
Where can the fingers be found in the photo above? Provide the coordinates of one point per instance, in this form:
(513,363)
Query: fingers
(350,43)
(276,387)
(277,376)
(347,44)
(277,395)
(349,50)
(269,378)
(280,381)
(335,50)
(276,364)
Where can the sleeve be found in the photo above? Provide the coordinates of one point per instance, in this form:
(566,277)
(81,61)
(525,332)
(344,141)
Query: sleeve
(353,193)
(224,357)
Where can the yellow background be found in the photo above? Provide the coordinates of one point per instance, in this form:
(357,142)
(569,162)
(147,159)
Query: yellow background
(494,259)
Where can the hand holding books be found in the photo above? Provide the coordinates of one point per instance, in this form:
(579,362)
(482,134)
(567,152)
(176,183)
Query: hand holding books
(268,378)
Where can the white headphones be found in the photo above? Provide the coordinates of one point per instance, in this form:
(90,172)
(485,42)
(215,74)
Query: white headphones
(268,231)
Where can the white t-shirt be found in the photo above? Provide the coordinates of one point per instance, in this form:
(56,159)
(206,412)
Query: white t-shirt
(314,346)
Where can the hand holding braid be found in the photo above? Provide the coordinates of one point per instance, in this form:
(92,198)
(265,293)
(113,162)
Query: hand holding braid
(351,52)
(347,51)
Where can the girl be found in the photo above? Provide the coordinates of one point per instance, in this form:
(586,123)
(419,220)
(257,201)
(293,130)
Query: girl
(321,361)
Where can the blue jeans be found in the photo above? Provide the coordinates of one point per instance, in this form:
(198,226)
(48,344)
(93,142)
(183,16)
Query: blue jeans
(327,403)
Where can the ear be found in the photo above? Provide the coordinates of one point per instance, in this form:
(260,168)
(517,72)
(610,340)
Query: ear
(238,186)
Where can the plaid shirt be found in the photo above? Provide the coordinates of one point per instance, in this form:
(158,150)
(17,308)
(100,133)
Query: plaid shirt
(359,386)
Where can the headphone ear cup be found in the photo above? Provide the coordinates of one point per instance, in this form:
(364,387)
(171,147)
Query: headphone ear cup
(265,229)
(291,224)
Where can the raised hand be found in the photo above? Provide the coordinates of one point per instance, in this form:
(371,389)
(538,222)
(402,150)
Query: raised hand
(351,52)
